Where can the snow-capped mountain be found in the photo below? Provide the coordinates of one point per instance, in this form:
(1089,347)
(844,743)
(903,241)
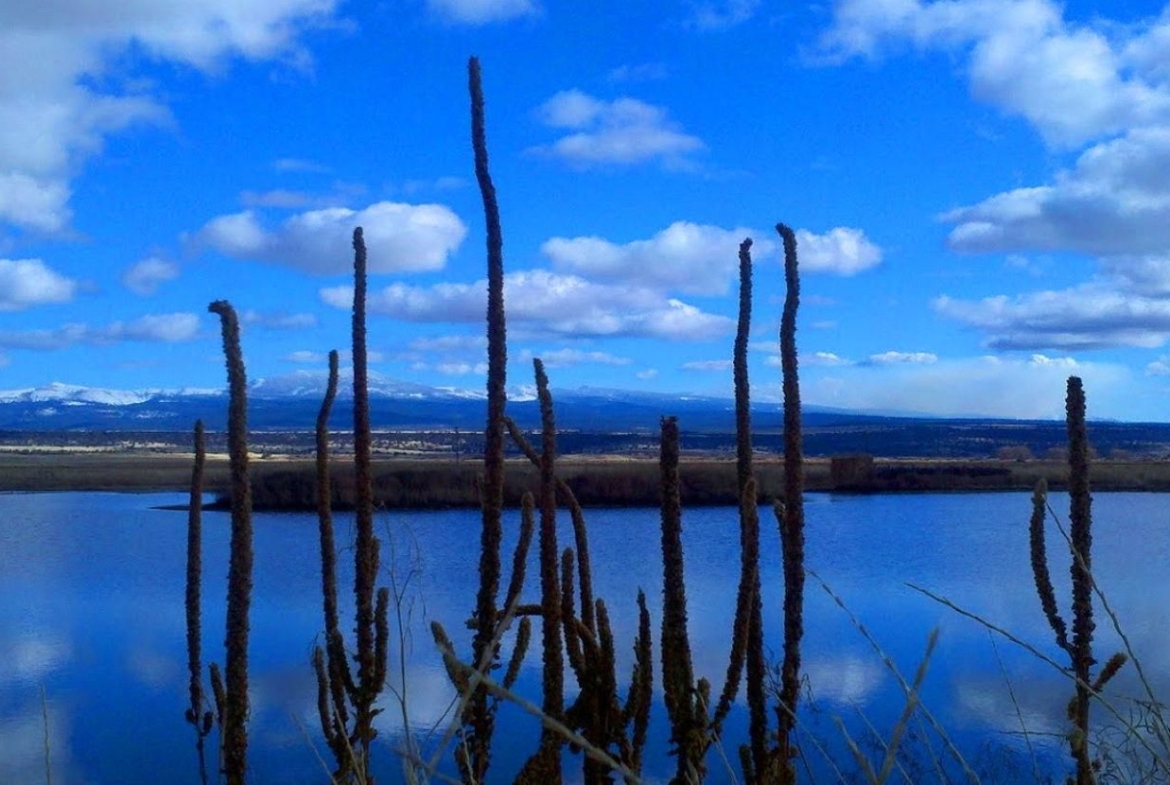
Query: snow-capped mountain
(292,402)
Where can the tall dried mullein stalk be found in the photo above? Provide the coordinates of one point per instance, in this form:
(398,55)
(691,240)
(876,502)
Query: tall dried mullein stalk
(747,642)
(1080,647)
(371,619)
(330,663)
(479,719)
(235,701)
(196,714)
(791,518)
(686,701)
(545,765)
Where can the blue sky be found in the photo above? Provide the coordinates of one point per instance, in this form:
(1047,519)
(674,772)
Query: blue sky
(981,190)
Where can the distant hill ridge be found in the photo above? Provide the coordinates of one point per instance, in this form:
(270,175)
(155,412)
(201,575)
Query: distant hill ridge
(590,419)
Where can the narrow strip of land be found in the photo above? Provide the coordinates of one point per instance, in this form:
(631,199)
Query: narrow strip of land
(287,483)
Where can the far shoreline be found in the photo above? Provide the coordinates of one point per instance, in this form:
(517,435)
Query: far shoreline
(408,482)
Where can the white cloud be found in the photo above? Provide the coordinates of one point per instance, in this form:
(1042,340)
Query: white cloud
(53,114)
(822,359)
(36,203)
(1073,82)
(1159,367)
(557,304)
(721,15)
(145,276)
(461,369)
(707,365)
(1088,317)
(300,166)
(625,131)
(704,259)
(903,358)
(153,328)
(399,238)
(278,197)
(842,251)
(639,72)
(476,12)
(25,283)
(647,375)
(308,357)
(978,386)
(278,320)
(564,358)
(686,257)
(1113,202)
(449,343)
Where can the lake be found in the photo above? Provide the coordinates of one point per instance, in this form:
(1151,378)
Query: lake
(91,612)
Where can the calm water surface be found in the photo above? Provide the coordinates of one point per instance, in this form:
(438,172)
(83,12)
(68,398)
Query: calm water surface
(91,611)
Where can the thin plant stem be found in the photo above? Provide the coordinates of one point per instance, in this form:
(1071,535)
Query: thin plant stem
(791,515)
(480,716)
(235,721)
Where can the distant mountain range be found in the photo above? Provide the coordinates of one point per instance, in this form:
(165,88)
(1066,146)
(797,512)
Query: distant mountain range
(292,403)
(589,419)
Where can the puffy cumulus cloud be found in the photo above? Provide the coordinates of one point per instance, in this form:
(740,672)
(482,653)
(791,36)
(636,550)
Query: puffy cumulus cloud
(549,302)
(1112,202)
(145,276)
(902,358)
(36,203)
(62,93)
(1072,82)
(399,238)
(624,131)
(703,259)
(685,257)
(564,358)
(978,386)
(843,251)
(477,12)
(25,283)
(1088,317)
(722,15)
(153,328)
